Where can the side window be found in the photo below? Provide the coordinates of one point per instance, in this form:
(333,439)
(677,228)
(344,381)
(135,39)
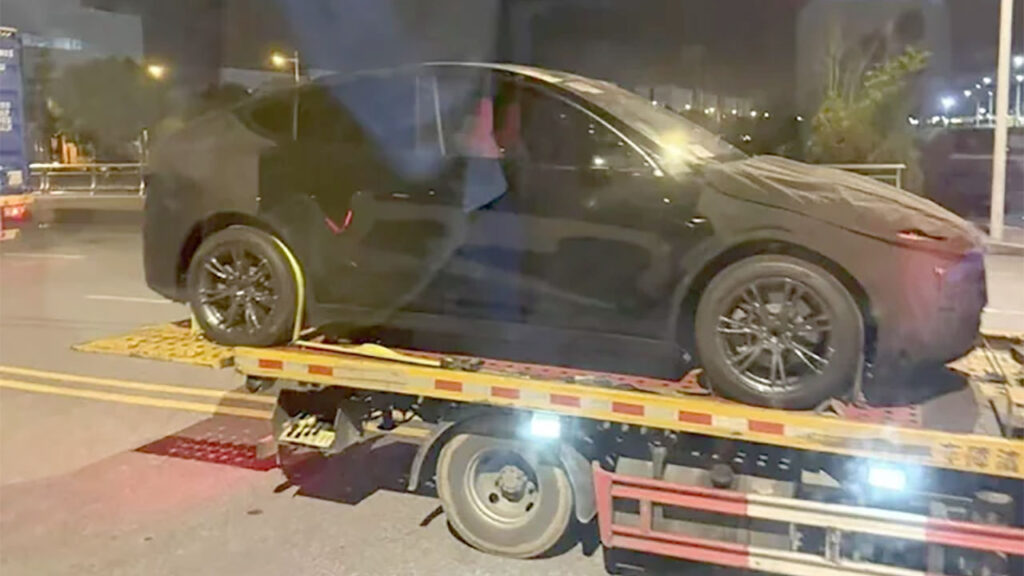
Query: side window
(465,113)
(323,117)
(271,116)
(555,133)
(376,110)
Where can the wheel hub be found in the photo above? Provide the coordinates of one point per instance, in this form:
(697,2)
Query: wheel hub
(775,332)
(503,487)
(512,482)
(237,291)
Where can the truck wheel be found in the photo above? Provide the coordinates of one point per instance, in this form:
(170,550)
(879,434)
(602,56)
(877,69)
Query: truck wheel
(241,288)
(778,331)
(501,498)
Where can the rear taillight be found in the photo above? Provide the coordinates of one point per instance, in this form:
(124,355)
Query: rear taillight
(15,212)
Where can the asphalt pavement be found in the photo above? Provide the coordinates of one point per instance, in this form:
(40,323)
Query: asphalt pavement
(111,465)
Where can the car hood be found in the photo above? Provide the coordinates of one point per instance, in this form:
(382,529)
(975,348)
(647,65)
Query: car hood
(844,199)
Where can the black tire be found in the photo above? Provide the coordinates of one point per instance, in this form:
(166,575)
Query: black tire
(242,267)
(733,340)
(487,527)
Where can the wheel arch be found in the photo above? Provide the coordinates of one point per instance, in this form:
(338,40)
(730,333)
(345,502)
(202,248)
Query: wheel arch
(209,226)
(686,302)
(481,421)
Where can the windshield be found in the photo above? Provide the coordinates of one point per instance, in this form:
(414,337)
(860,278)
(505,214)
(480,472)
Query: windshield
(678,142)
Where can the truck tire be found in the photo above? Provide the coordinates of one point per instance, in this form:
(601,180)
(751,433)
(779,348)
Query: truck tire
(778,331)
(241,288)
(501,498)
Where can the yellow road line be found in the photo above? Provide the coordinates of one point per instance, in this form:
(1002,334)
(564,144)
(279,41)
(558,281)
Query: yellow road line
(142,386)
(137,400)
(204,408)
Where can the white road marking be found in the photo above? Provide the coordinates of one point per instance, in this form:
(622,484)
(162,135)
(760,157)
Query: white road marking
(135,299)
(53,255)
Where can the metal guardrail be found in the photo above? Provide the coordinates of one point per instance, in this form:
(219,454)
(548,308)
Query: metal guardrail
(889,173)
(88,179)
(129,178)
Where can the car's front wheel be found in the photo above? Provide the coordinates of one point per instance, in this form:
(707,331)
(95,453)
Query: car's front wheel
(778,331)
(241,288)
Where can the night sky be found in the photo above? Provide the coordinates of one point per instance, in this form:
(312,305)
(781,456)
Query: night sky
(730,46)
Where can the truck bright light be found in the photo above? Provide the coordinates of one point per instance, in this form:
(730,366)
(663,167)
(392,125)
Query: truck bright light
(887,478)
(545,426)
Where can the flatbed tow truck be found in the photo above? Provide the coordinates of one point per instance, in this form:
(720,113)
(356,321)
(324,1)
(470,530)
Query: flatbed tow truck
(522,456)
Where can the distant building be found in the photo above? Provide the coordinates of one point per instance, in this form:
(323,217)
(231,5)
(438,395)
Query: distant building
(71,32)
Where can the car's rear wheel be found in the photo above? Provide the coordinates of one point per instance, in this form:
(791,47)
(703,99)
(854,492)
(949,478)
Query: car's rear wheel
(241,288)
(778,331)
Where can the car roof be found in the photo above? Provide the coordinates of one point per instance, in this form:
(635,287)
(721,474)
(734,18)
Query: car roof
(542,74)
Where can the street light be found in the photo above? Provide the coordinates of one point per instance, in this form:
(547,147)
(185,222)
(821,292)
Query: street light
(967,93)
(1018,61)
(987,80)
(156,71)
(279,60)
(947,103)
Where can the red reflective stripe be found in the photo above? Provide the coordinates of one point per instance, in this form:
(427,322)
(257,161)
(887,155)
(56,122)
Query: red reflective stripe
(682,547)
(695,418)
(987,537)
(502,392)
(271,364)
(626,408)
(320,370)
(692,497)
(766,427)
(564,400)
(449,385)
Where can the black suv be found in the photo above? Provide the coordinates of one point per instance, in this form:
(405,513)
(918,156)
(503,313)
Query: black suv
(558,215)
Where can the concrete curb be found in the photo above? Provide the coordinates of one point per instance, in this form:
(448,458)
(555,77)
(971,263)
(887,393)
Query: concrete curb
(1004,248)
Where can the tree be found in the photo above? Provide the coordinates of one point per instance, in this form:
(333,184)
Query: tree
(38,103)
(107,103)
(863,117)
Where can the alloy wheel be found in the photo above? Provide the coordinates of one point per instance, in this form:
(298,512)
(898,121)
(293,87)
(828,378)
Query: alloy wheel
(775,332)
(237,291)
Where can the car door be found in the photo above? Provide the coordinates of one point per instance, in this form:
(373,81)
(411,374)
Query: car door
(593,216)
(380,215)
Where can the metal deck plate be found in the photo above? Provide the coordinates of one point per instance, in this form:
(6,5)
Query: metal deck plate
(174,342)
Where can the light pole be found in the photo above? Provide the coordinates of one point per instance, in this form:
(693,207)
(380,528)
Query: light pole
(947,104)
(977,105)
(999,138)
(280,61)
(1020,83)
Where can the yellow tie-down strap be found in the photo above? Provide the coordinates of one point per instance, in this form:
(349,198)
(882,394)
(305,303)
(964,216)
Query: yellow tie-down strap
(701,415)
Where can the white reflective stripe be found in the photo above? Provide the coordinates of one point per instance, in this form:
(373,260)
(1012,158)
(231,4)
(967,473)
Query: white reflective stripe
(799,564)
(845,523)
(799,431)
(532,395)
(657,412)
(600,404)
(878,514)
(731,423)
